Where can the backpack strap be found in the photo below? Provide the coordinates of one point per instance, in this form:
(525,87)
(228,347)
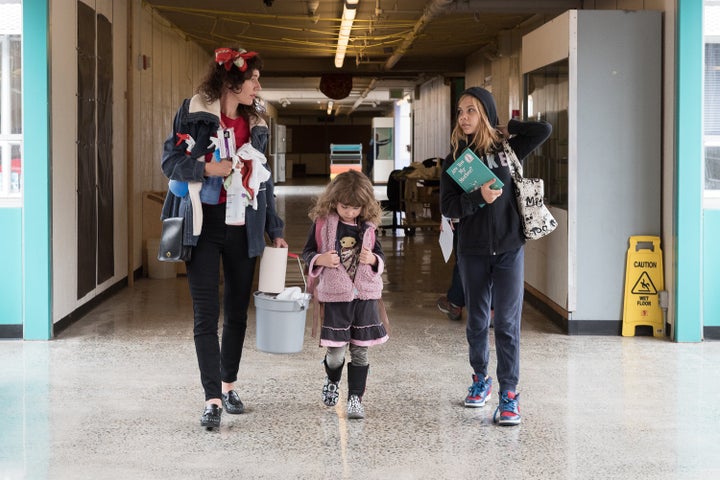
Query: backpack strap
(383,315)
(380,304)
(318,310)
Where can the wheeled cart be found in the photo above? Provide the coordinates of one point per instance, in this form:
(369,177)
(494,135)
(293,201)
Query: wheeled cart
(421,204)
(413,199)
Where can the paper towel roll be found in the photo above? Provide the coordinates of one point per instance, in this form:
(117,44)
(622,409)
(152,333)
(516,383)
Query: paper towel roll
(273,267)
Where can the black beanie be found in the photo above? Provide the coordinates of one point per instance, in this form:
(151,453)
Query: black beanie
(487,101)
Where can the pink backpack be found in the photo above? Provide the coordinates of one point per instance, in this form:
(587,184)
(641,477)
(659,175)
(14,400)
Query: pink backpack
(312,282)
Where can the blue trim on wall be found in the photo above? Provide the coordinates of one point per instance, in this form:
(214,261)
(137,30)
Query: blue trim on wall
(688,207)
(711,267)
(11,312)
(36,232)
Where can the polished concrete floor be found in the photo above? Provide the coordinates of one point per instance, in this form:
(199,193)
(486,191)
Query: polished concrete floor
(117,396)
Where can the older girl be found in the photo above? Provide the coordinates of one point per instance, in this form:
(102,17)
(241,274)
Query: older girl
(490,245)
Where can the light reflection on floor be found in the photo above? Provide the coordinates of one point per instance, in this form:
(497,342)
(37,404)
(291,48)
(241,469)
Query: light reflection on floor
(117,396)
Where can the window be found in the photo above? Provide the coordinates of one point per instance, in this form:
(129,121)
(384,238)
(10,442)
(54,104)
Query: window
(10,103)
(711,99)
(546,98)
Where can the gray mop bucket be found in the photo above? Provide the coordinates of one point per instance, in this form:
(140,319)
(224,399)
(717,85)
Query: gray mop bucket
(280,324)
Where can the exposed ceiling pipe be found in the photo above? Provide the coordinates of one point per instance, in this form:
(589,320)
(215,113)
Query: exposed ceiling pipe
(432,10)
(370,88)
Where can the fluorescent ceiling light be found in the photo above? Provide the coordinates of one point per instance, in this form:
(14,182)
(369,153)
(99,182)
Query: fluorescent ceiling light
(348,16)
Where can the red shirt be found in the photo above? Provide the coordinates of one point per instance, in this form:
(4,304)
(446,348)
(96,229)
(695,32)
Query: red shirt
(242,136)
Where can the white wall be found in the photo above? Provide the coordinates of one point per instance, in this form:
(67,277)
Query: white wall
(175,68)
(432,114)
(63,85)
(668,7)
(486,70)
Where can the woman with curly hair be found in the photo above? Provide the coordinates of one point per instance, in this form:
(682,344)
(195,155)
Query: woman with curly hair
(217,140)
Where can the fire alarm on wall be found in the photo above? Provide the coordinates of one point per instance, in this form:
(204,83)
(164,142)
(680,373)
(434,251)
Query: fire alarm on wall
(144,62)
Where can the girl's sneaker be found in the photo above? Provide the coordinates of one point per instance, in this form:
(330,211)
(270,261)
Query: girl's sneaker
(355,407)
(478,392)
(330,393)
(508,411)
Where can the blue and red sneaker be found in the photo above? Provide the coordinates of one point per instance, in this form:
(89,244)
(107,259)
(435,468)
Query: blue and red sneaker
(478,392)
(508,411)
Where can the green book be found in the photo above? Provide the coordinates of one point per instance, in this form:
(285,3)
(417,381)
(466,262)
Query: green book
(470,172)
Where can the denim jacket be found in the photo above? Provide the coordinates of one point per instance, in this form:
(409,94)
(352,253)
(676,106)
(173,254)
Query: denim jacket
(183,160)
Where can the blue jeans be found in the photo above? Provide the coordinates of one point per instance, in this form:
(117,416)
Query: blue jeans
(220,362)
(494,281)
(455,293)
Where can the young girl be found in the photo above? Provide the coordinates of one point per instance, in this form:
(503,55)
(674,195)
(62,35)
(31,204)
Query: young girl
(490,251)
(345,258)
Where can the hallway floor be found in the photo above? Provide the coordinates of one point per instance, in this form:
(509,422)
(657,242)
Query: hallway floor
(117,395)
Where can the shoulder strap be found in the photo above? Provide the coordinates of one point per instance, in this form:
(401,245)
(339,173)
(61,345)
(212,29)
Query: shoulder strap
(319,224)
(318,310)
(516,169)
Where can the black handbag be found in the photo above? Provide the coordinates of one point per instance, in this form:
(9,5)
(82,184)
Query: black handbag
(171,242)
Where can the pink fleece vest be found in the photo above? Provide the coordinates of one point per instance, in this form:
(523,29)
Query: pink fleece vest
(334,284)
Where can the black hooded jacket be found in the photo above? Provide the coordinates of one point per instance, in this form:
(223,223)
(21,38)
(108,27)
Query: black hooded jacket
(490,229)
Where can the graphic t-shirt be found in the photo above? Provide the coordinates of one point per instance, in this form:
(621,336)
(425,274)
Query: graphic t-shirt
(348,247)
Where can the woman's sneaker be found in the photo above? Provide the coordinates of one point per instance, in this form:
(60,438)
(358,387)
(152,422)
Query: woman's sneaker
(508,411)
(478,392)
(355,407)
(330,393)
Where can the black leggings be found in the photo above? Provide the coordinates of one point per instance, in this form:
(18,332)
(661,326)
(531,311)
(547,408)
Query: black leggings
(220,362)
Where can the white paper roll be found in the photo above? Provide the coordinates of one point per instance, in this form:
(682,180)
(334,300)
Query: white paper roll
(273,267)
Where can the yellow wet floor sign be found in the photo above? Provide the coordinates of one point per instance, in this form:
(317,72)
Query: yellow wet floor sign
(643,281)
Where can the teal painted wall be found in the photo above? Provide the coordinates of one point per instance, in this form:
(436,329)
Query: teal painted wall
(11,279)
(711,269)
(689,162)
(36,261)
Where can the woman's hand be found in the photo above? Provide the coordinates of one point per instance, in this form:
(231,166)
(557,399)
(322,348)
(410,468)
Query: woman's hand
(218,169)
(328,259)
(280,243)
(490,194)
(504,130)
(367,257)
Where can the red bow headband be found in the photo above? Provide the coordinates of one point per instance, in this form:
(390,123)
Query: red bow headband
(229,57)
